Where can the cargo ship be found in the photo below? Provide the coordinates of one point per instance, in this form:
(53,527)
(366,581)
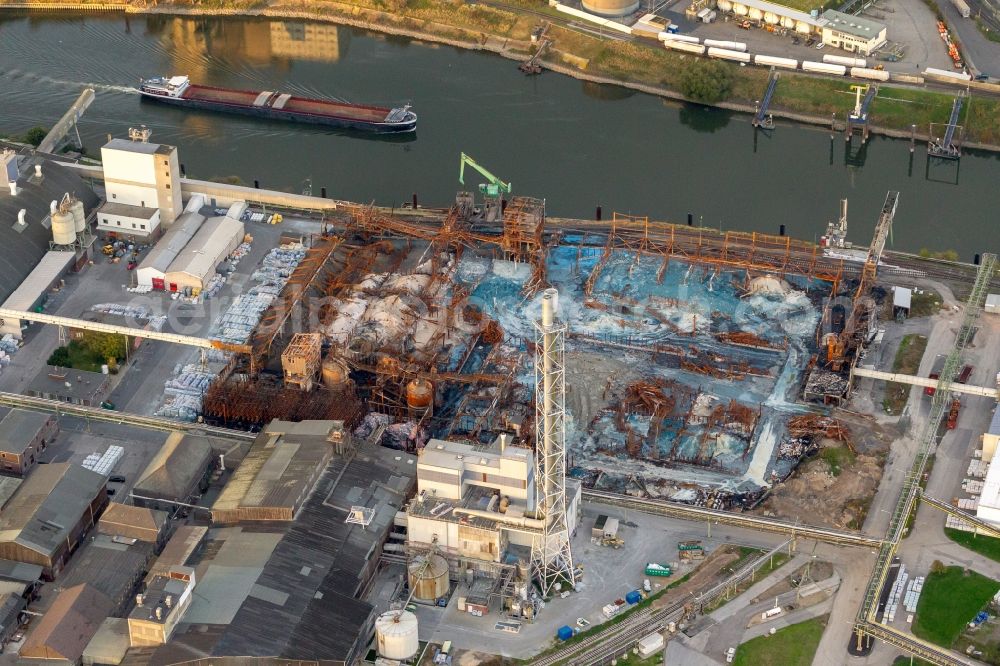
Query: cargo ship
(179,90)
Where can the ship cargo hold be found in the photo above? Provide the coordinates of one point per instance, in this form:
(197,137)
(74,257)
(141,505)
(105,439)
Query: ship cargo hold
(179,91)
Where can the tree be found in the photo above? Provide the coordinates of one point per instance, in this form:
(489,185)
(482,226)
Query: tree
(706,81)
(35,135)
(104,345)
(59,357)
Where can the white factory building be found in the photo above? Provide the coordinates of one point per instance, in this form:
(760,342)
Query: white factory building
(476,502)
(837,29)
(989,500)
(190,251)
(142,187)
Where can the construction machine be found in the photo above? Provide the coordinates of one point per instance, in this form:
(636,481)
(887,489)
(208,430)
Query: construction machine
(493,190)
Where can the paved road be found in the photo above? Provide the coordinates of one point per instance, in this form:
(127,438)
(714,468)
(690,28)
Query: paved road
(982,55)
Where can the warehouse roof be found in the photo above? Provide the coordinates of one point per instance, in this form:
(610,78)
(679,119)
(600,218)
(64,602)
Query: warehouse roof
(64,631)
(53,264)
(182,544)
(177,236)
(8,486)
(83,385)
(318,566)
(852,25)
(47,506)
(109,644)
(278,467)
(995,423)
(121,518)
(110,567)
(128,210)
(176,467)
(204,251)
(11,605)
(19,427)
(22,248)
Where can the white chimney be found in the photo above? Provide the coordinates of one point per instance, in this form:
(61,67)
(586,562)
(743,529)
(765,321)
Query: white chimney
(503,442)
(222,462)
(22,217)
(13,188)
(159,613)
(138,600)
(54,207)
(38,171)
(169,601)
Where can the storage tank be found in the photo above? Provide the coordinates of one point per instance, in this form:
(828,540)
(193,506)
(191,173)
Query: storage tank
(726,54)
(755,13)
(396,635)
(873,74)
(419,394)
(79,215)
(787,22)
(739,9)
(725,5)
(429,579)
(63,228)
(335,373)
(685,47)
(803,27)
(774,61)
(822,67)
(611,7)
(770,17)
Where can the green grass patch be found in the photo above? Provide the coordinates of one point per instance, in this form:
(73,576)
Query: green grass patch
(977,543)
(795,645)
(76,356)
(926,303)
(907,361)
(837,458)
(950,598)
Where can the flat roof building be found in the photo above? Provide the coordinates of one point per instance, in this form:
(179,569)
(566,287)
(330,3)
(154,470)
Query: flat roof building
(65,630)
(162,606)
(77,387)
(34,289)
(138,223)
(109,644)
(278,472)
(49,515)
(23,435)
(852,33)
(143,175)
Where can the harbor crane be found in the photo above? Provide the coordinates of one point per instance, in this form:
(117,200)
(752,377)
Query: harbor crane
(492,191)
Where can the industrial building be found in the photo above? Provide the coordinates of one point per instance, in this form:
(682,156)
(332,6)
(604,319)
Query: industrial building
(142,185)
(79,387)
(183,543)
(64,631)
(109,644)
(152,270)
(278,472)
(33,291)
(161,607)
(844,31)
(49,515)
(114,566)
(134,522)
(989,500)
(176,474)
(23,435)
(11,606)
(212,243)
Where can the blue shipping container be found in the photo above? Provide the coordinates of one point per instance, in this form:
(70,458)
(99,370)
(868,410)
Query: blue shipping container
(633,597)
(565,633)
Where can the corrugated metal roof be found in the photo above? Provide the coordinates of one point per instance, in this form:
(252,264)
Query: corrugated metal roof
(48,505)
(177,236)
(176,468)
(119,515)
(214,240)
(67,627)
(21,250)
(901,297)
(52,265)
(21,572)
(995,423)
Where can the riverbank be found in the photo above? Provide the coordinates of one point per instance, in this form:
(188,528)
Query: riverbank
(638,66)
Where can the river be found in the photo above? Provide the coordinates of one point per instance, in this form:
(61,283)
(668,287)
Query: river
(576,144)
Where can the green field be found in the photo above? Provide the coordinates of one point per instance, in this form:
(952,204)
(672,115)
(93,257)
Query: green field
(949,600)
(907,362)
(984,545)
(794,645)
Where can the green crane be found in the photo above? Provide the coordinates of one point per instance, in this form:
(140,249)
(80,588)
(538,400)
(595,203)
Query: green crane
(494,189)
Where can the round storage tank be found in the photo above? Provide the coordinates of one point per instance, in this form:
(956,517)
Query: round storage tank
(79,215)
(770,17)
(787,22)
(725,5)
(396,635)
(739,9)
(419,394)
(610,7)
(803,27)
(429,580)
(755,13)
(63,228)
(335,373)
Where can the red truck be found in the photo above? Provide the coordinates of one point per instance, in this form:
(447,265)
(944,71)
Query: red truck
(935,374)
(963,377)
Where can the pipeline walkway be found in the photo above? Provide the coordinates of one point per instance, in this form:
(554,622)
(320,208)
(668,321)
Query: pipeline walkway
(946,148)
(718,517)
(982,527)
(60,408)
(913,380)
(67,123)
(762,118)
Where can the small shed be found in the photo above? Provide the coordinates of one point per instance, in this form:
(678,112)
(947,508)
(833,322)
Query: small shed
(902,298)
(993,303)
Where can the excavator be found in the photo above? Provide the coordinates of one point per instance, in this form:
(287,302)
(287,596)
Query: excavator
(493,191)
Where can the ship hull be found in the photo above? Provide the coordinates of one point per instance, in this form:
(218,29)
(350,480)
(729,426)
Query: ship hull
(407,125)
